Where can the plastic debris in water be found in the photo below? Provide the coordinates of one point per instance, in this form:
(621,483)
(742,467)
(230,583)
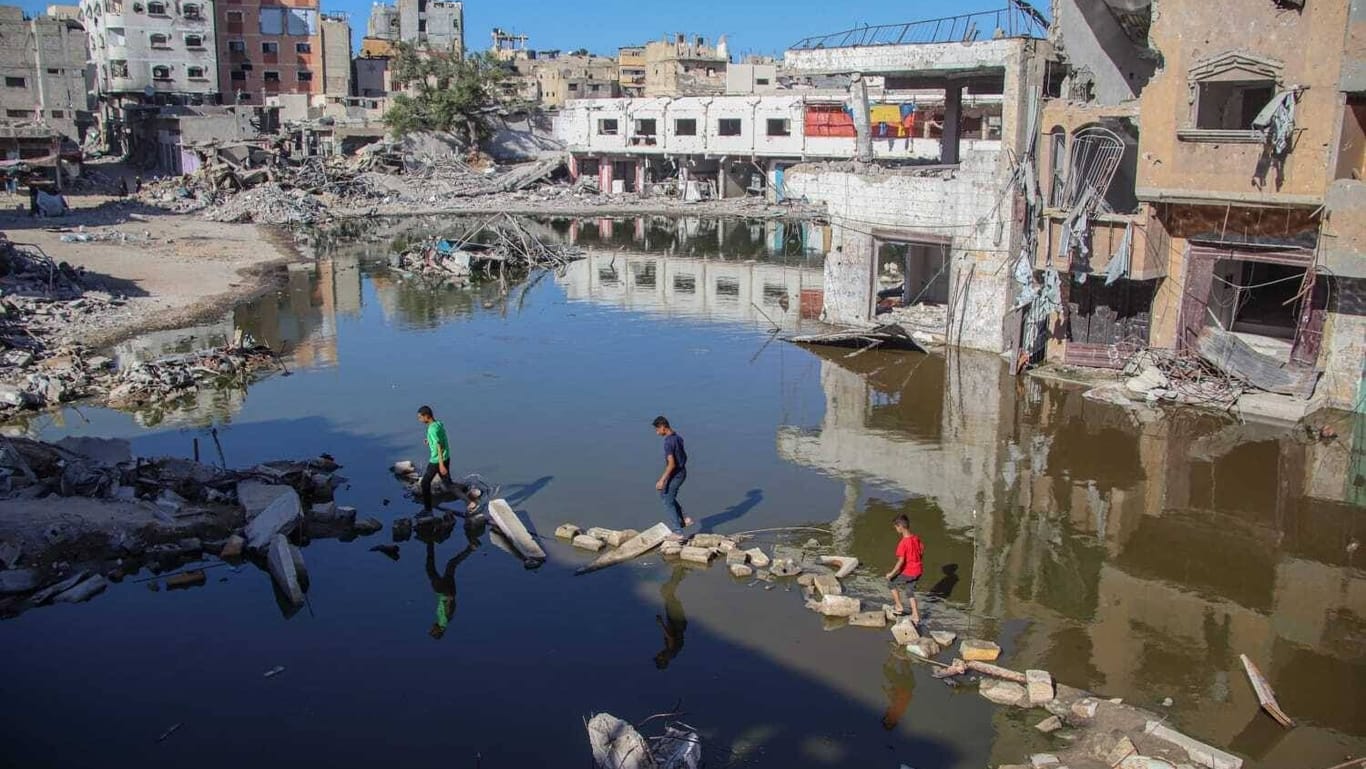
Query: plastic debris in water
(170,731)
(275,671)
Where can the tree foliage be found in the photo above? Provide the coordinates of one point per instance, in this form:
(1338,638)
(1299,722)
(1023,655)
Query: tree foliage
(444,92)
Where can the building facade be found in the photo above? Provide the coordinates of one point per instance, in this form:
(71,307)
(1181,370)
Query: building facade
(161,50)
(264,50)
(631,70)
(46,76)
(434,25)
(685,67)
(334,29)
(563,78)
(752,78)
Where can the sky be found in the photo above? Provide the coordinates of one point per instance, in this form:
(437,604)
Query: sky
(765,27)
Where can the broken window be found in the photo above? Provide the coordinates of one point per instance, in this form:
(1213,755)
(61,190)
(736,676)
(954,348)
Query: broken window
(59,114)
(118,68)
(303,48)
(195,73)
(156,8)
(728,126)
(1057,159)
(194,41)
(190,11)
(607,127)
(159,40)
(18,113)
(778,127)
(1223,106)
(271,76)
(645,127)
(238,75)
(685,127)
(161,72)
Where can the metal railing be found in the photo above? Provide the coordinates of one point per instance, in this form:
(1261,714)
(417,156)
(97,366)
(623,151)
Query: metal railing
(1015,21)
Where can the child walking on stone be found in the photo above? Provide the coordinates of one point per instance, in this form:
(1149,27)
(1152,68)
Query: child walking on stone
(909,566)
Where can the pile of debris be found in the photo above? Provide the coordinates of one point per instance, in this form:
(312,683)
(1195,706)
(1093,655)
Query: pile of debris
(269,203)
(617,744)
(500,248)
(82,512)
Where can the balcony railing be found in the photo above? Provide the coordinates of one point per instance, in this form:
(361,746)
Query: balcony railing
(1015,21)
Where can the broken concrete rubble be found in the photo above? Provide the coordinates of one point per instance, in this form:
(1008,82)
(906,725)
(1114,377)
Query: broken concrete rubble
(976,649)
(904,631)
(567,531)
(588,542)
(838,606)
(280,516)
(283,560)
(617,745)
(697,554)
(1003,692)
(740,570)
(1040,685)
(923,647)
(869,619)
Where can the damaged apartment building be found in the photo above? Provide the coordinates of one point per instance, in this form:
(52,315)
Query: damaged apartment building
(1202,179)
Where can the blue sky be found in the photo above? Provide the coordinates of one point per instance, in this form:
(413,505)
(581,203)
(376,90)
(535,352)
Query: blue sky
(751,26)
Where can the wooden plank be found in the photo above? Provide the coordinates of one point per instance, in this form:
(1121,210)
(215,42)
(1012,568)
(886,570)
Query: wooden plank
(1265,695)
(502,516)
(634,547)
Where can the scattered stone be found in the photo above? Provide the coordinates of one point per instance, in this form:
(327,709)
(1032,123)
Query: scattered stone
(1167,702)
(83,591)
(1123,748)
(944,638)
(588,542)
(726,546)
(736,557)
(402,529)
(826,584)
(43,596)
(670,549)
(869,619)
(1085,708)
(757,558)
(904,631)
(1041,760)
(615,538)
(784,567)
(740,570)
(568,531)
(839,606)
(282,560)
(806,580)
(255,496)
(403,467)
(323,511)
(281,516)
(923,647)
(696,554)
(1198,751)
(600,534)
(13,581)
(1002,692)
(812,544)
(844,564)
(1049,725)
(976,649)
(186,579)
(1040,686)
(706,540)
(9,555)
(367,526)
(170,501)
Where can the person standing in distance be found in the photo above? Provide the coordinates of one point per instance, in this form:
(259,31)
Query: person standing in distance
(675,470)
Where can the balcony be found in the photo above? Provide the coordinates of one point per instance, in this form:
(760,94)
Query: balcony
(1147,259)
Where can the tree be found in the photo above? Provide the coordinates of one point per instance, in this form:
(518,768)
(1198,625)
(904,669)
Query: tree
(445,93)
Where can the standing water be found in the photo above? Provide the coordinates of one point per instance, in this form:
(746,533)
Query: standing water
(1134,559)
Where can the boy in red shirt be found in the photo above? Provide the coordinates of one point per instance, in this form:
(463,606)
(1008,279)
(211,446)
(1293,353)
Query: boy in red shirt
(909,566)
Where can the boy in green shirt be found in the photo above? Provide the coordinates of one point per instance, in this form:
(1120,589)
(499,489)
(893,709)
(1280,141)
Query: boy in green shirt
(438,463)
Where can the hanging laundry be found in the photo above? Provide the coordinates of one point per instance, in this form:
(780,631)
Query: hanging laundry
(1277,120)
(885,113)
(1119,263)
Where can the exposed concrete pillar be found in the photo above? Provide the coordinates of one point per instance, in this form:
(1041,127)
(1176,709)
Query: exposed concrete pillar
(858,104)
(953,119)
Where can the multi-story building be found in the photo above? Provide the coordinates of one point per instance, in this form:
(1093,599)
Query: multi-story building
(152,50)
(752,77)
(1221,191)
(46,77)
(264,50)
(563,78)
(683,67)
(509,46)
(65,12)
(335,31)
(432,25)
(631,70)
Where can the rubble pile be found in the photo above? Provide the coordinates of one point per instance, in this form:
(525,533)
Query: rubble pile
(84,512)
(499,248)
(269,203)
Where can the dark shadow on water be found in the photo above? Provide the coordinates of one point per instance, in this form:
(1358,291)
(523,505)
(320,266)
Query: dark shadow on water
(752,498)
(944,587)
(674,622)
(525,491)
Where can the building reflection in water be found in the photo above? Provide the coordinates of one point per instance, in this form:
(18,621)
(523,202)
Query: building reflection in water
(1144,556)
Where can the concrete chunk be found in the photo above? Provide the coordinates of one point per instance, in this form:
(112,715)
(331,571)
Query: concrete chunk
(1199,752)
(1049,725)
(740,570)
(785,567)
(904,631)
(367,526)
(601,534)
(255,496)
(697,554)
(844,565)
(757,558)
(1002,692)
(1043,760)
(923,647)
(1040,686)
(1124,747)
(726,546)
(18,581)
(826,584)
(1085,708)
(282,565)
(706,540)
(617,537)
(839,606)
(976,649)
(588,542)
(944,638)
(670,549)
(568,531)
(869,619)
(281,516)
(232,548)
(736,557)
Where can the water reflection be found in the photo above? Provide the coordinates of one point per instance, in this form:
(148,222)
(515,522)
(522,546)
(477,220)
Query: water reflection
(673,622)
(443,582)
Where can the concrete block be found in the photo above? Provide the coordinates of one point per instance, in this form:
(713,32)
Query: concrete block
(736,557)
(1042,760)
(1049,725)
(601,534)
(806,580)
(232,548)
(757,558)
(1003,692)
(976,649)
(869,619)
(402,529)
(697,554)
(706,540)
(568,531)
(904,631)
(839,606)
(280,516)
(1085,708)
(844,565)
(726,546)
(1040,685)
(740,570)
(587,542)
(1199,752)
(615,538)
(368,526)
(670,549)
(944,638)
(784,567)
(826,584)
(923,647)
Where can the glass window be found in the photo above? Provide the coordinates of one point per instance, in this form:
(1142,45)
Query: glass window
(728,126)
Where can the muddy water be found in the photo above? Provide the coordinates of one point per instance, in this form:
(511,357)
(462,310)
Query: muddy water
(1138,560)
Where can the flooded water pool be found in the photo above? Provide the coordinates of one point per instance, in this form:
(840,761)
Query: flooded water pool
(1137,560)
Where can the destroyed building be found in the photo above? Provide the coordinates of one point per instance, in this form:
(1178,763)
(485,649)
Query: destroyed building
(631,70)
(685,67)
(266,50)
(335,32)
(562,78)
(1204,185)
(47,80)
(433,25)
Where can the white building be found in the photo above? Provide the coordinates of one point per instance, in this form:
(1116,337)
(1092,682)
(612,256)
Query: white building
(152,47)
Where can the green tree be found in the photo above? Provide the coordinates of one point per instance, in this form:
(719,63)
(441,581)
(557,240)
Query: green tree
(444,93)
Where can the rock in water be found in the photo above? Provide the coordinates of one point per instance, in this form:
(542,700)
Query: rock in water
(617,745)
(280,559)
(83,591)
(279,517)
(975,649)
(1003,692)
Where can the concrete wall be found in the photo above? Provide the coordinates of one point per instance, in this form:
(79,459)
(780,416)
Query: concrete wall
(336,56)
(45,76)
(1091,38)
(125,59)
(372,76)
(900,59)
(1219,165)
(745,78)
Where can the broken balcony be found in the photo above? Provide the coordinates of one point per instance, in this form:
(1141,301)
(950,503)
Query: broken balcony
(1102,241)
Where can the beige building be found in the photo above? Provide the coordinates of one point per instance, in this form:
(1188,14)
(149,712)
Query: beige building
(631,70)
(565,78)
(335,30)
(46,77)
(685,67)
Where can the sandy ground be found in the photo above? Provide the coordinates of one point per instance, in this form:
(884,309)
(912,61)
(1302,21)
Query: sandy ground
(172,268)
